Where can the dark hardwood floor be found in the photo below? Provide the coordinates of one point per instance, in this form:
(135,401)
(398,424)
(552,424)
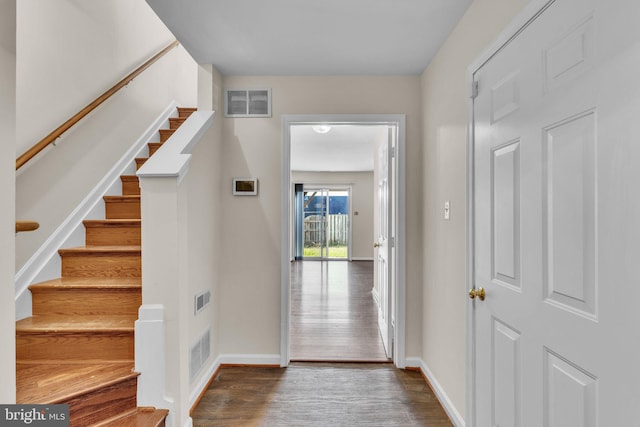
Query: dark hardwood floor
(333,314)
(319,394)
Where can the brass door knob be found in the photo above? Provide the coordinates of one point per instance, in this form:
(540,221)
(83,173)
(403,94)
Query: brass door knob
(477,292)
(376,245)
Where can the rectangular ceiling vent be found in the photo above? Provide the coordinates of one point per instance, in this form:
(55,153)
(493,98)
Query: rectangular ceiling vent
(201,301)
(199,354)
(247,102)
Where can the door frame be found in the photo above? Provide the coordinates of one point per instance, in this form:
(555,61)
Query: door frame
(517,25)
(399,186)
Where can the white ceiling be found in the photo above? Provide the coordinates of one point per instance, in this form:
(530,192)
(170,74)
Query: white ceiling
(312,37)
(345,148)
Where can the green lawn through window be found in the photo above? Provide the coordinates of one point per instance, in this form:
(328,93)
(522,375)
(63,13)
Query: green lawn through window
(334,252)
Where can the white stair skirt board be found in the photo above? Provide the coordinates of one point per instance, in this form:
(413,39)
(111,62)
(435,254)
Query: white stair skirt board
(45,263)
(447,404)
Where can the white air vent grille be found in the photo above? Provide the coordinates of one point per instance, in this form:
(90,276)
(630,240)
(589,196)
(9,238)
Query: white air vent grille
(247,102)
(199,354)
(201,301)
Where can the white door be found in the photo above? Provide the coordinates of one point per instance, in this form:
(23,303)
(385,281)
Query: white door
(557,221)
(383,267)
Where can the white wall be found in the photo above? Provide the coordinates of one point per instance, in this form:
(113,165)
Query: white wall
(250,315)
(69,53)
(444,97)
(7,195)
(361,184)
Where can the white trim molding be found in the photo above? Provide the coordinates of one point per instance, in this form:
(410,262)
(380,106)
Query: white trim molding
(398,120)
(249,359)
(172,160)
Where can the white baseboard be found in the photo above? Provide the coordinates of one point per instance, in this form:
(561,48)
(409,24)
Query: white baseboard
(44,264)
(204,381)
(447,404)
(249,359)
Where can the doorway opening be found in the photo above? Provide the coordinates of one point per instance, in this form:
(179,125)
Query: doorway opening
(315,249)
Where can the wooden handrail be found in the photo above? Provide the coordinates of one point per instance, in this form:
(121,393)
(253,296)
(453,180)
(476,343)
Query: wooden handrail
(42,144)
(26,226)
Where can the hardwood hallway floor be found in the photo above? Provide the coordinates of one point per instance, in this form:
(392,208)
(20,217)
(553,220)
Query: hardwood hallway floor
(333,314)
(319,395)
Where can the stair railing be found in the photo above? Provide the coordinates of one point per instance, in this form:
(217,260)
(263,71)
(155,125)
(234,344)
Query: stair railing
(57,133)
(51,138)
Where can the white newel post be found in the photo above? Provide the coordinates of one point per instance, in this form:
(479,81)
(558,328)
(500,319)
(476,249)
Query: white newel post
(150,356)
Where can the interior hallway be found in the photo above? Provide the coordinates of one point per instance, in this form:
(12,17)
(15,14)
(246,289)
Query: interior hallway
(333,314)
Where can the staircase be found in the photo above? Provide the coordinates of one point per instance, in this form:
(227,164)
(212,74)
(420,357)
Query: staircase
(78,347)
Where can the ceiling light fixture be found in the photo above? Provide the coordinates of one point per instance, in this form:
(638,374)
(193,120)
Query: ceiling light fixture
(321,128)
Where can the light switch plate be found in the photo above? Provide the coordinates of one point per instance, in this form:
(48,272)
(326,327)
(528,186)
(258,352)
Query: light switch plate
(447,210)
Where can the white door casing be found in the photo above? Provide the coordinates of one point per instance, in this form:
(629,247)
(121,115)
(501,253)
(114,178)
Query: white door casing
(555,224)
(398,122)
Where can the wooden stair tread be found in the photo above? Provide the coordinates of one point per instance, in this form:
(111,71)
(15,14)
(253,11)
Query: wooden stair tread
(106,283)
(185,111)
(124,198)
(176,122)
(75,324)
(112,222)
(130,185)
(52,382)
(101,250)
(165,134)
(140,417)
(153,147)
